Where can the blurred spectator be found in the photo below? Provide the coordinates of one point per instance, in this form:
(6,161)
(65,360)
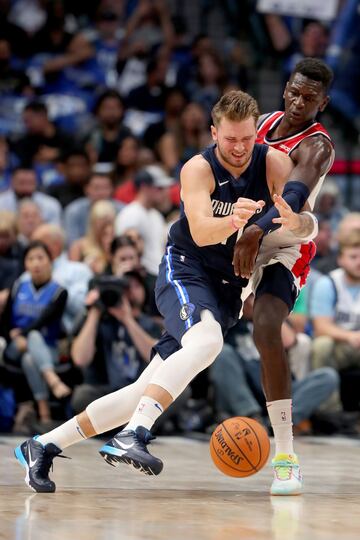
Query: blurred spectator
(28,219)
(28,14)
(76,215)
(312,42)
(94,248)
(23,185)
(75,168)
(11,32)
(350,222)
(106,40)
(150,24)
(125,256)
(210,81)
(180,54)
(42,142)
(201,44)
(12,81)
(325,257)
(151,96)
(343,57)
(126,166)
(11,254)
(114,343)
(152,186)
(329,205)
(62,55)
(7,163)
(190,137)
(103,142)
(335,309)
(73,276)
(52,38)
(175,103)
(31,326)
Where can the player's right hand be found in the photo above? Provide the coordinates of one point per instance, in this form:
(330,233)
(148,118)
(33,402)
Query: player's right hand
(244,209)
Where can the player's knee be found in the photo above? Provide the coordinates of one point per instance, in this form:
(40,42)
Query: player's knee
(207,338)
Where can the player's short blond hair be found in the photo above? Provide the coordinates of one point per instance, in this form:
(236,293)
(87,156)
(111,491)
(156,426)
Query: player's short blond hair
(351,240)
(235,105)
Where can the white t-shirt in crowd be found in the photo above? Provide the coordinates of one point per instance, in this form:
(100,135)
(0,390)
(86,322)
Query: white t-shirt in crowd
(151,226)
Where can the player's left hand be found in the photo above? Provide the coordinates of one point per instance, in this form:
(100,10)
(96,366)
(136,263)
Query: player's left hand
(246,250)
(288,219)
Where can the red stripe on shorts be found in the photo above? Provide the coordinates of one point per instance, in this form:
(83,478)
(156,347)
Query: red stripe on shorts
(301,267)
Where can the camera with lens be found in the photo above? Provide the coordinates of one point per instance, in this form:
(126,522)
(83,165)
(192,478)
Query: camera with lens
(111,290)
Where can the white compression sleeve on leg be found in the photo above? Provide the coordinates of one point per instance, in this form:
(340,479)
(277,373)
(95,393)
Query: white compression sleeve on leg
(115,409)
(200,346)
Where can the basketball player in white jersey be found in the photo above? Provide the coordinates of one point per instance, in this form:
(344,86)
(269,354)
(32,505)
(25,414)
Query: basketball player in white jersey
(278,261)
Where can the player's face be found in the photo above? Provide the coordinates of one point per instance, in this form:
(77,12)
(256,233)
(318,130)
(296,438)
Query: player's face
(304,98)
(349,260)
(235,141)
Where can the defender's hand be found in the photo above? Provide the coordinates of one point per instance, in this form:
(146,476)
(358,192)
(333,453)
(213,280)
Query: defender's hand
(246,250)
(288,219)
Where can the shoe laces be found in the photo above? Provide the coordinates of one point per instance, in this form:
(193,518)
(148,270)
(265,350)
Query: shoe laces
(45,461)
(284,469)
(144,437)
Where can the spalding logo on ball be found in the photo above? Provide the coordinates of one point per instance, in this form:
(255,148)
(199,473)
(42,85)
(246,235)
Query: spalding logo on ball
(239,446)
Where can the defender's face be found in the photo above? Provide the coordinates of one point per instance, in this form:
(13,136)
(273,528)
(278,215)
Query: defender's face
(235,141)
(304,98)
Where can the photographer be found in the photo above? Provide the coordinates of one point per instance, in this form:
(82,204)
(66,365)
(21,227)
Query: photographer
(115,339)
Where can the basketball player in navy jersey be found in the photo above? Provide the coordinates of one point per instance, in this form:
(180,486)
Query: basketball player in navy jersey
(226,187)
(277,262)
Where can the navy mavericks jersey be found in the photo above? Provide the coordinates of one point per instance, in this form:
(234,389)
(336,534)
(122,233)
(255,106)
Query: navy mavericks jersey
(29,303)
(251,184)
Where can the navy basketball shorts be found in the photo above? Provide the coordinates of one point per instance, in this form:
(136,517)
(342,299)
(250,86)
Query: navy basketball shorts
(278,281)
(184,288)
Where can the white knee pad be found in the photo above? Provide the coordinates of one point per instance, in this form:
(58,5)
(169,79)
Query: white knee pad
(200,346)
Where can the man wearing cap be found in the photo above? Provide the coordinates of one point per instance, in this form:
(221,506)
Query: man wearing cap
(152,187)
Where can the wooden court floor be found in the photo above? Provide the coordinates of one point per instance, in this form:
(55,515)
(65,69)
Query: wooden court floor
(190,500)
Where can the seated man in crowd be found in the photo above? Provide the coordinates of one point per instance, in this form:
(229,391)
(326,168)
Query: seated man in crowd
(335,309)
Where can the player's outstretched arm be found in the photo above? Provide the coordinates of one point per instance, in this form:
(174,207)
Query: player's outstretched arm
(197,184)
(312,159)
(303,225)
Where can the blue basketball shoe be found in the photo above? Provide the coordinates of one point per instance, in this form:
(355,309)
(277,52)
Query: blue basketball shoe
(37,460)
(130,447)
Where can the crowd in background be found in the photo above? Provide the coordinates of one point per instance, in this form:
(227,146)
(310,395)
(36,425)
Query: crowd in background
(101,103)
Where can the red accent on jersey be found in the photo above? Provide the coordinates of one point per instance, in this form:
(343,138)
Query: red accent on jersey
(301,267)
(287,144)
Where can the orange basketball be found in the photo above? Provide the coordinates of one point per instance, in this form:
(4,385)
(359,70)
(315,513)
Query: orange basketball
(239,446)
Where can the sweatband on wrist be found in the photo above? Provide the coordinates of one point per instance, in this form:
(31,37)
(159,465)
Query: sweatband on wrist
(295,194)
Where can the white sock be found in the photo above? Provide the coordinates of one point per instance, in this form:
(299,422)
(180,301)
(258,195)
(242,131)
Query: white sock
(65,435)
(146,414)
(281,421)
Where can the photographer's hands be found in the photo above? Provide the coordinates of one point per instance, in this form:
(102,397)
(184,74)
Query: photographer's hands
(123,312)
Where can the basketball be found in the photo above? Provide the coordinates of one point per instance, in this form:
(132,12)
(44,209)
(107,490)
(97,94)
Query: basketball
(239,446)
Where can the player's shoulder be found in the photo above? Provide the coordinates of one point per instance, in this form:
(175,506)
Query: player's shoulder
(273,115)
(196,164)
(319,146)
